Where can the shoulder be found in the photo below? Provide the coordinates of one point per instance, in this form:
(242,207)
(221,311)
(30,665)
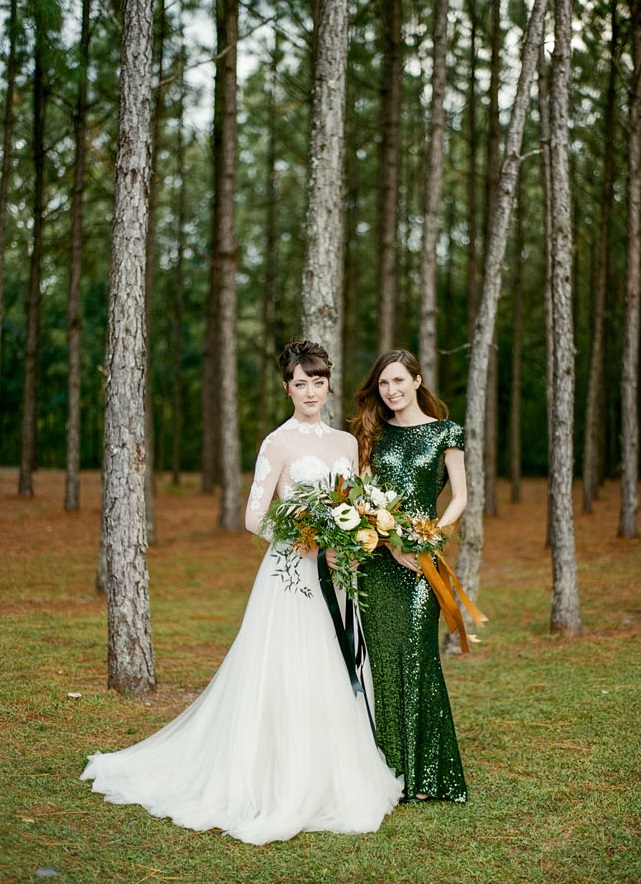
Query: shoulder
(452,434)
(346,439)
(276,439)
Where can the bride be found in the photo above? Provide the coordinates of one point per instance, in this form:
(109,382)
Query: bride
(277,743)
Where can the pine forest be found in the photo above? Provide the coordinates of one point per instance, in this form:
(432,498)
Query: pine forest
(429,108)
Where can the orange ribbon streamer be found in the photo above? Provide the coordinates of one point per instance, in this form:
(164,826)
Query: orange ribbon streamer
(438,576)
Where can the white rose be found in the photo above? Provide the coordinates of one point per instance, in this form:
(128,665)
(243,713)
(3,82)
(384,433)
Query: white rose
(378,497)
(346,516)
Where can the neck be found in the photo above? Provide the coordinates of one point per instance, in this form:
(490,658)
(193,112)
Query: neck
(304,419)
(409,417)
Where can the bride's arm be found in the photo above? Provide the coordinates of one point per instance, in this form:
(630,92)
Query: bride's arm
(269,466)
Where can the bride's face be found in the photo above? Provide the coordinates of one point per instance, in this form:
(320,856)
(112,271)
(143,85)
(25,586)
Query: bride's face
(308,394)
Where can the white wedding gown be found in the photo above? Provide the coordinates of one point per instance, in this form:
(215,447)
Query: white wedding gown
(277,743)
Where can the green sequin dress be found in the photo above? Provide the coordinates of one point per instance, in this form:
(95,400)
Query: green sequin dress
(414,725)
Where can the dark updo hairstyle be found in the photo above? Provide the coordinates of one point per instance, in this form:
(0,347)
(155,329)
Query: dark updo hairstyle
(311,357)
(372,413)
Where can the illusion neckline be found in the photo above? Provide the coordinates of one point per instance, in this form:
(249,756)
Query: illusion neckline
(319,428)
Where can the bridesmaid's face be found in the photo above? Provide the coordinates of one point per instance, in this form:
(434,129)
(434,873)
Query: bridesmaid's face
(396,386)
(308,394)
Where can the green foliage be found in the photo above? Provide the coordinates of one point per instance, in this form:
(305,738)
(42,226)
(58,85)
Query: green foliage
(274,110)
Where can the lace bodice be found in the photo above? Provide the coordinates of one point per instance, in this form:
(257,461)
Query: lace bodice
(297,452)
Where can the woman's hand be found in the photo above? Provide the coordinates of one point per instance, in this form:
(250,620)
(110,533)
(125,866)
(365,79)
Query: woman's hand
(330,557)
(406,559)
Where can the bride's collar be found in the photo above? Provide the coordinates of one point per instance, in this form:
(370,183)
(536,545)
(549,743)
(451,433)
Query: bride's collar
(319,428)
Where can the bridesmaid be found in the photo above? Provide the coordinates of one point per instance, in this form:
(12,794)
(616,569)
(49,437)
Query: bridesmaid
(404,440)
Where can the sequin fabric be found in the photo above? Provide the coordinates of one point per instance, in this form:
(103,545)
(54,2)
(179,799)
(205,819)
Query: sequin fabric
(414,725)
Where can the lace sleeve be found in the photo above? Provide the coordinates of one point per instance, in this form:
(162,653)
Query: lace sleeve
(269,465)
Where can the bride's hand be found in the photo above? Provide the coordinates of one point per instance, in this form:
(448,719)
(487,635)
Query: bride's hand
(330,557)
(406,559)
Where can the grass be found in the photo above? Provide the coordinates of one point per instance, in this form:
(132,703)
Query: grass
(548,727)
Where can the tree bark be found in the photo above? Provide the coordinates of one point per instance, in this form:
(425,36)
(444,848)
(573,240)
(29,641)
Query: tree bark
(565,617)
(392,17)
(74,314)
(544,115)
(322,300)
(131,660)
(224,266)
(469,560)
(517,335)
(150,267)
(472,272)
(428,331)
(7,147)
(594,409)
(179,297)
(491,185)
(630,367)
(268,353)
(28,454)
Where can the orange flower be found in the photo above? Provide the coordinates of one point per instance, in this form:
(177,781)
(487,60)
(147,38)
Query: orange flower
(384,520)
(368,539)
(427,530)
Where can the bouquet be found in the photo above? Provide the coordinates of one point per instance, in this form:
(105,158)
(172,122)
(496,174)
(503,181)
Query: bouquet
(349,514)
(424,536)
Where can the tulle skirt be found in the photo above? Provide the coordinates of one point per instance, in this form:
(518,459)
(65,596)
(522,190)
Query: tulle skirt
(276,744)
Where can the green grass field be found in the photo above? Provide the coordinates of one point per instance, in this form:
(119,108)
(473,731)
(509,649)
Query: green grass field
(549,728)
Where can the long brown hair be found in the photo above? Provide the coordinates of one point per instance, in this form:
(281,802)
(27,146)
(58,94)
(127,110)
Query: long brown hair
(372,413)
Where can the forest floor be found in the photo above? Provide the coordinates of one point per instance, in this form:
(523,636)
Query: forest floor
(548,726)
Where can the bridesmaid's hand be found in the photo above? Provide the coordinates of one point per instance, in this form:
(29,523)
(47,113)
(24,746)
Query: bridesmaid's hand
(406,559)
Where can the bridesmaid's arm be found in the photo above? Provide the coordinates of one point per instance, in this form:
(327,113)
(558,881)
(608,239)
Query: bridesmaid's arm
(455,463)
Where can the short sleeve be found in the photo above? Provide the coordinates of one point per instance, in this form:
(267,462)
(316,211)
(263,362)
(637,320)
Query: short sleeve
(269,465)
(454,436)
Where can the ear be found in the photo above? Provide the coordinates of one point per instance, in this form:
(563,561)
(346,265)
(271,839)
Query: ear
(418,380)
(285,388)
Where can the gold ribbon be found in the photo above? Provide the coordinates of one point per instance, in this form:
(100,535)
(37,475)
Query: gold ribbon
(438,576)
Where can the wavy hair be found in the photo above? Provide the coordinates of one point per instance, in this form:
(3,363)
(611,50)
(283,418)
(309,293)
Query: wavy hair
(372,413)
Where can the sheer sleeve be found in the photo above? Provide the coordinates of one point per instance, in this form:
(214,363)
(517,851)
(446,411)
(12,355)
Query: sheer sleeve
(269,466)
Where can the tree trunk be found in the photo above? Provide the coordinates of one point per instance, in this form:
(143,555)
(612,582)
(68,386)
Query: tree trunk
(389,171)
(472,273)
(594,409)
(428,337)
(74,315)
(224,265)
(630,369)
(34,294)
(517,334)
(322,300)
(544,114)
(352,325)
(179,297)
(131,660)
(150,266)
(565,616)
(491,184)
(7,145)
(268,354)
(472,523)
